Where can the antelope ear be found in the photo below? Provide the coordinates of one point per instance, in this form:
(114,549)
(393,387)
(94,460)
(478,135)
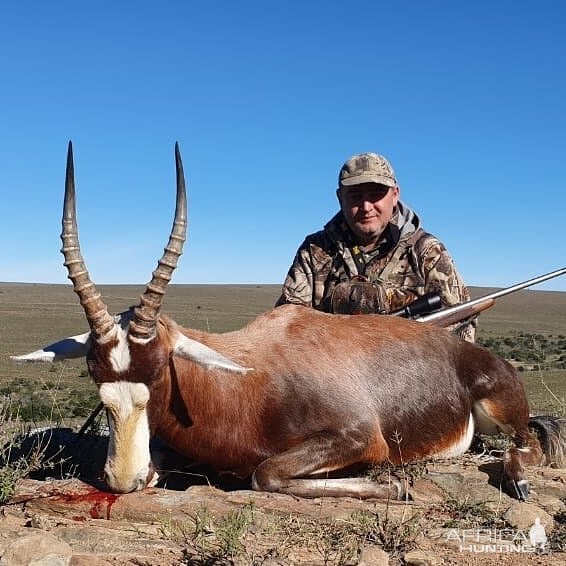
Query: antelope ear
(72,347)
(192,350)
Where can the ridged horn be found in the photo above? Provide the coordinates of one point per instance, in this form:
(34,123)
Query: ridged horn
(143,325)
(99,319)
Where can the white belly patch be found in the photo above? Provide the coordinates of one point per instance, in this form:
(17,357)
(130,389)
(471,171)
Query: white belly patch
(461,445)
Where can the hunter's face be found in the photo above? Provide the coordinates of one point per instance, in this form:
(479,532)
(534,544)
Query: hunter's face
(367,209)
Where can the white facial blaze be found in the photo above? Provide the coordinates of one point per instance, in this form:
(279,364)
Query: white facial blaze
(120,354)
(128,461)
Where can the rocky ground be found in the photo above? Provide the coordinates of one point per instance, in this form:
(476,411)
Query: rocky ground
(457,515)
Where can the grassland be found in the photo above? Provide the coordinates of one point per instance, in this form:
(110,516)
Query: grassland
(33,315)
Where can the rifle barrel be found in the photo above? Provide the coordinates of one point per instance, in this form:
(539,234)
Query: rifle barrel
(441,314)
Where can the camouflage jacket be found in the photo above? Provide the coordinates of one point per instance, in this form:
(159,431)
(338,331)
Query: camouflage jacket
(406,264)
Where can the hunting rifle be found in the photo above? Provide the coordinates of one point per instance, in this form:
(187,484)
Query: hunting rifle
(463,311)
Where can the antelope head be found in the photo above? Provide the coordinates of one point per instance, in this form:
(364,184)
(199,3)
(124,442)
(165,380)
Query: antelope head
(127,354)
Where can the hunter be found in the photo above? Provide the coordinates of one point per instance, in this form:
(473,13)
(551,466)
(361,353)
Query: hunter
(373,256)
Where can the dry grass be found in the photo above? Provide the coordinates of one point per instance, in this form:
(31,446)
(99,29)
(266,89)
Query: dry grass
(251,536)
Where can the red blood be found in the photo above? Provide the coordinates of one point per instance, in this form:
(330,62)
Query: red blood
(101,502)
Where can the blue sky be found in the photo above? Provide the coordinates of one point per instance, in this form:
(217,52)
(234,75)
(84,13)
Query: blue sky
(267,99)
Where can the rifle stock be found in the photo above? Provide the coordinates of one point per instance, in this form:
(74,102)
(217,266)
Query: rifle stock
(463,311)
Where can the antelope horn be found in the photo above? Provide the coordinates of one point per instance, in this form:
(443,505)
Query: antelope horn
(99,319)
(143,325)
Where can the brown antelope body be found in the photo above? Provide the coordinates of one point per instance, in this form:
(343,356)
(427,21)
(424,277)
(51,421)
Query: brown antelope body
(293,397)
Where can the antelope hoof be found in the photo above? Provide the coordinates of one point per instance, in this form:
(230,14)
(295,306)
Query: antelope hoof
(519,489)
(153,478)
(402,491)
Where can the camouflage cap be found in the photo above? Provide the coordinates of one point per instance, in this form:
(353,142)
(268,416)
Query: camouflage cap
(367,168)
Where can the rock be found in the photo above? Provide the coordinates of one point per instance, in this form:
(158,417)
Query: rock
(426,491)
(37,549)
(523,515)
(551,503)
(41,522)
(420,558)
(168,527)
(88,560)
(372,556)
(471,484)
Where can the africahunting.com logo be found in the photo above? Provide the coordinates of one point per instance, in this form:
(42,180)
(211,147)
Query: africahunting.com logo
(506,541)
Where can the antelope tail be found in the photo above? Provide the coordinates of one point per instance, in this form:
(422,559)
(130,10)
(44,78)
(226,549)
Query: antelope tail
(551,432)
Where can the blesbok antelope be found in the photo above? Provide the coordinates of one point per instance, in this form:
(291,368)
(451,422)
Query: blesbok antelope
(296,397)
